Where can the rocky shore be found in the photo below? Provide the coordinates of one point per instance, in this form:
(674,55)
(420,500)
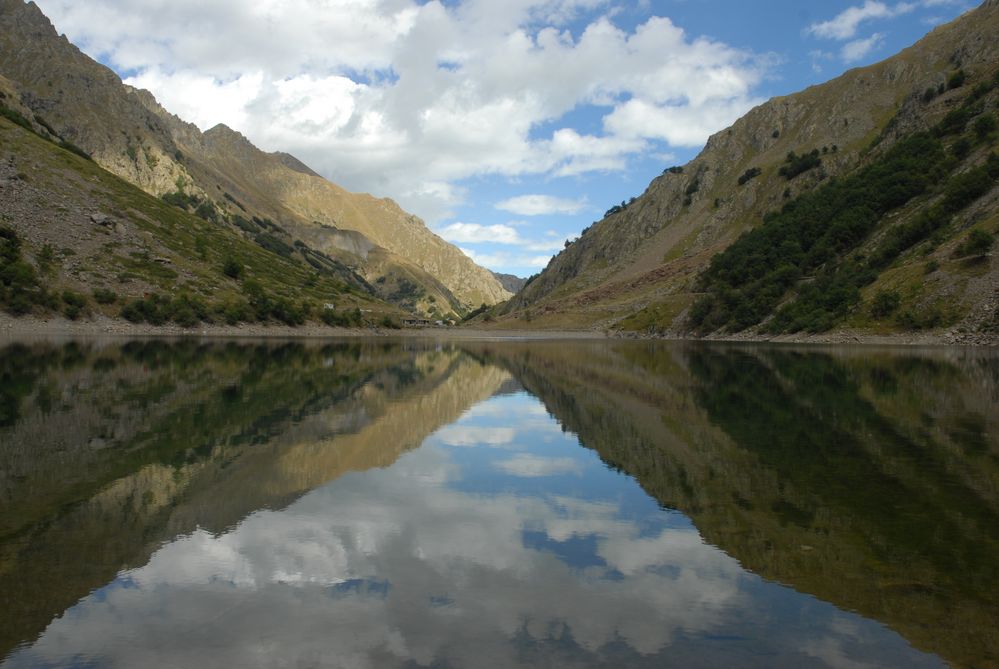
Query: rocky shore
(101,326)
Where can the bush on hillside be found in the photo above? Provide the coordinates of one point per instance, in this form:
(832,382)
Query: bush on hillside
(795,164)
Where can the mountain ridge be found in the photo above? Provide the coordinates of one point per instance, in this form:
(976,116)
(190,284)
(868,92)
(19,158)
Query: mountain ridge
(638,268)
(129,133)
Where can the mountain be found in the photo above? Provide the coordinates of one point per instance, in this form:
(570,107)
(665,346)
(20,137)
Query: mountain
(511,282)
(221,176)
(868,202)
(76,238)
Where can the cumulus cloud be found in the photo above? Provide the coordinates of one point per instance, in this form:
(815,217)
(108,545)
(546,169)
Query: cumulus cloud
(536,466)
(503,258)
(473,435)
(406,99)
(858,49)
(531,252)
(476,233)
(540,205)
(845,24)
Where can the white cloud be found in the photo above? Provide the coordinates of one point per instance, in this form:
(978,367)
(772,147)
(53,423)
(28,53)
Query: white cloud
(535,466)
(845,24)
(468,435)
(475,233)
(541,205)
(531,253)
(406,99)
(503,261)
(858,49)
(380,568)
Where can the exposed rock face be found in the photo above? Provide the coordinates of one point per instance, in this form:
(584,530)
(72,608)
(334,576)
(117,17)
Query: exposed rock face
(652,251)
(511,282)
(130,134)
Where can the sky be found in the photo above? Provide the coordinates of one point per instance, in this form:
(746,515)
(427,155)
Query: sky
(507,126)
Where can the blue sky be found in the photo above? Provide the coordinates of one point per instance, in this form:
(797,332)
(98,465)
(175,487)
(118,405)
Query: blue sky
(508,127)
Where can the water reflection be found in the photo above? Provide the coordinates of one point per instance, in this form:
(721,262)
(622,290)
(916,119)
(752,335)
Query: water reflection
(260,506)
(867,478)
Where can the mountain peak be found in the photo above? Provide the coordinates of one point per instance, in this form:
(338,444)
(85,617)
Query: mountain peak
(222,131)
(27,14)
(293,163)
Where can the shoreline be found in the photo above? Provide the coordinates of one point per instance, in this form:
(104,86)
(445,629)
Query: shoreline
(22,327)
(840,338)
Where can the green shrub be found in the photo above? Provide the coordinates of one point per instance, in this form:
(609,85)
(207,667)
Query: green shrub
(245,225)
(956,80)
(207,211)
(336,318)
(953,123)
(273,244)
(961,148)
(984,125)
(926,319)
(74,304)
(46,258)
(152,310)
(236,311)
(749,174)
(232,268)
(155,309)
(977,243)
(795,164)
(105,296)
(16,117)
(20,286)
(885,303)
(180,199)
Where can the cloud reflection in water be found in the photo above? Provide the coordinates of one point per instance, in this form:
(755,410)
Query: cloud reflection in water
(464,555)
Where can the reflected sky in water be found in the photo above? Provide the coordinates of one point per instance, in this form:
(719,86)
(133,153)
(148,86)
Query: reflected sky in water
(500,541)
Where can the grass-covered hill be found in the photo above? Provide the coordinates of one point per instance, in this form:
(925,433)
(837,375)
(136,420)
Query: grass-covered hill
(867,203)
(78,240)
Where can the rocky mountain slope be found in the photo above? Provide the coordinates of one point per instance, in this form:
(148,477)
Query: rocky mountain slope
(221,176)
(511,282)
(77,239)
(645,264)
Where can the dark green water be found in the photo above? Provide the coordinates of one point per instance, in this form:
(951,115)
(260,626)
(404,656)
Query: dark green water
(497,504)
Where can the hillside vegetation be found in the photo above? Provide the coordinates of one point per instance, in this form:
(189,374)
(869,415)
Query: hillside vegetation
(868,203)
(78,240)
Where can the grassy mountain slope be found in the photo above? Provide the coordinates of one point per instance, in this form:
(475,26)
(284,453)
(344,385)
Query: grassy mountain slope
(644,265)
(78,239)
(128,133)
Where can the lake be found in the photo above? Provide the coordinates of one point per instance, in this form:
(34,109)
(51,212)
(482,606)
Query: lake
(371,503)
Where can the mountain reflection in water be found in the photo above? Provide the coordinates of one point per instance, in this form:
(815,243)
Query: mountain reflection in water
(497,504)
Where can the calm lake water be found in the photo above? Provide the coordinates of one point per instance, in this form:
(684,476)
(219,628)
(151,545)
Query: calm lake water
(503,504)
